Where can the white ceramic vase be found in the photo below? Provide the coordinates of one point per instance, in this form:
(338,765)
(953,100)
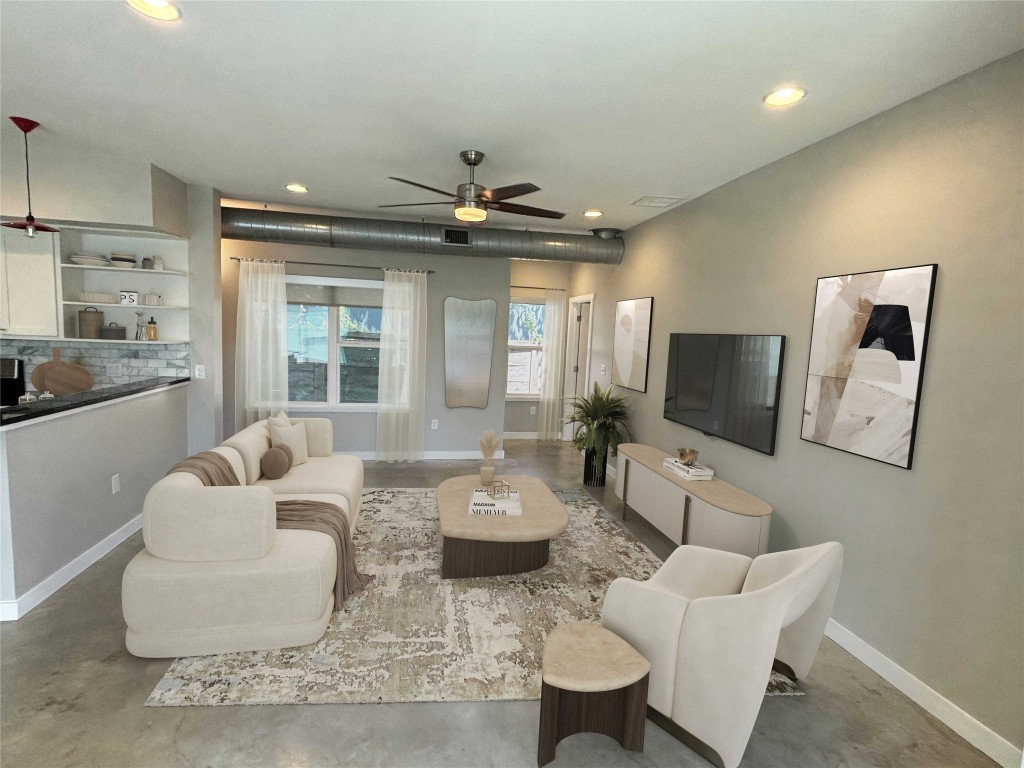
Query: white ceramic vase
(486,474)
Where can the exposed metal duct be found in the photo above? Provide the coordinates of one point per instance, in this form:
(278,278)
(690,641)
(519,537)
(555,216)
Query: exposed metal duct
(416,237)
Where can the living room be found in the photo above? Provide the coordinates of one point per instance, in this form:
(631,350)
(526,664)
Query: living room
(922,661)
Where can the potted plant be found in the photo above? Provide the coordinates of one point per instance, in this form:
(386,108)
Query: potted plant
(601,423)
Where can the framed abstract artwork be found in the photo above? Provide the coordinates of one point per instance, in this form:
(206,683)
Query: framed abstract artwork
(866,363)
(632,343)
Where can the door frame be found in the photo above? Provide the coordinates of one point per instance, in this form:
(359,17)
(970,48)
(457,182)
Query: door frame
(574,302)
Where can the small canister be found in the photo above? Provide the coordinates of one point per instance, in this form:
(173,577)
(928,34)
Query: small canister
(113,332)
(90,320)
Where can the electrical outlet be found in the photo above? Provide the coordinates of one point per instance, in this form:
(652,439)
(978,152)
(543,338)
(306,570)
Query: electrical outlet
(115,483)
(533,410)
(200,371)
(714,425)
(114,369)
(604,369)
(433,423)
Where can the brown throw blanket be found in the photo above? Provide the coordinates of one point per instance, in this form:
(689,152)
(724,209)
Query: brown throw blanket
(327,518)
(213,469)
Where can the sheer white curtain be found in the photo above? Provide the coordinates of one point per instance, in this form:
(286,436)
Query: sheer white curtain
(552,375)
(403,353)
(261,342)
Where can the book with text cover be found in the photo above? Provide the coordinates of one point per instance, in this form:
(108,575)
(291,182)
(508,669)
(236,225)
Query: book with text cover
(482,504)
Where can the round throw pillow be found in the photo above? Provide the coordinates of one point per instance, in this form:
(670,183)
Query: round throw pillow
(275,463)
(288,451)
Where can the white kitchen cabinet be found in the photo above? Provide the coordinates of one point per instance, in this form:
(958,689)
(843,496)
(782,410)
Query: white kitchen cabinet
(28,289)
(706,513)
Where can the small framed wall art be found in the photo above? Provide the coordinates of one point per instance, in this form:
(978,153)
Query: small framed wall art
(864,371)
(632,343)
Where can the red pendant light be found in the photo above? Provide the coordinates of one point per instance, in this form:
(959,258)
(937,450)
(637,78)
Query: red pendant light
(29,223)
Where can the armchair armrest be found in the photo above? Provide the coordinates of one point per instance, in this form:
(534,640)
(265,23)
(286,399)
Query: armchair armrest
(319,436)
(648,618)
(182,520)
(696,572)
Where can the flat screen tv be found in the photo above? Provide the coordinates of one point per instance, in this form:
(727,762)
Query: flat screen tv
(726,385)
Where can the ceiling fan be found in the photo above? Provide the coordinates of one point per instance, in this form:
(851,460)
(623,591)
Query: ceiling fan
(472,200)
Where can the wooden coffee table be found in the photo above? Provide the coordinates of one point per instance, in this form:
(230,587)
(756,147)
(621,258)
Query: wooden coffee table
(480,545)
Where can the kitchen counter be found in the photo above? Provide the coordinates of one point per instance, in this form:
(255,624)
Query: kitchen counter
(16,415)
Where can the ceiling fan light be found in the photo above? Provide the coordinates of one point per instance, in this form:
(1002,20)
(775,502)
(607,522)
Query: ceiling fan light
(161,10)
(470,210)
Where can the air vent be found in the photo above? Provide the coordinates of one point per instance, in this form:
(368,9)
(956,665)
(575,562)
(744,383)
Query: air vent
(456,236)
(654,201)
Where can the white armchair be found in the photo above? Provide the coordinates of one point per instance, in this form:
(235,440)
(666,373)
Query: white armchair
(712,622)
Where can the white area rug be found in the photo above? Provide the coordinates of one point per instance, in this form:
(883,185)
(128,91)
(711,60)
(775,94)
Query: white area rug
(412,636)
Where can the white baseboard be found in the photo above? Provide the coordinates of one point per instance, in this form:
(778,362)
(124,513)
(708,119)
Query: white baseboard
(12,610)
(520,436)
(610,471)
(975,732)
(427,455)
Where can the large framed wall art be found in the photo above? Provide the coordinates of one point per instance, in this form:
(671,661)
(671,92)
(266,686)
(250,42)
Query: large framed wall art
(631,345)
(866,362)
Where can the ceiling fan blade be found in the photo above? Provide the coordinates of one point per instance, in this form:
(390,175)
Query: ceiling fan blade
(512,190)
(423,186)
(407,205)
(525,210)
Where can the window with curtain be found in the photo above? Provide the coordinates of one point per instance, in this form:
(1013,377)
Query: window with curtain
(525,348)
(334,331)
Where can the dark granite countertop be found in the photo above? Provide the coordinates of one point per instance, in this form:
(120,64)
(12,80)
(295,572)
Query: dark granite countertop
(15,414)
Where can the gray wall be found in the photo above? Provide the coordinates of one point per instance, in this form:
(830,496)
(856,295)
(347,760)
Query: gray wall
(933,576)
(59,477)
(463,276)
(205,396)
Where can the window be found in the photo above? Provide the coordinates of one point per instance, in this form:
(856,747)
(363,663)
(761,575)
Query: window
(525,352)
(333,340)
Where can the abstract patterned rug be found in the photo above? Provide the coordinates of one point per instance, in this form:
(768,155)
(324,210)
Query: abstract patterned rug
(412,636)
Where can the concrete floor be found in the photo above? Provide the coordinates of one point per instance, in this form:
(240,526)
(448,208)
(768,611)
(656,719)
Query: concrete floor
(71,695)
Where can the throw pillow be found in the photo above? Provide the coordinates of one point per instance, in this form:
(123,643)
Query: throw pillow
(291,456)
(275,463)
(280,420)
(295,438)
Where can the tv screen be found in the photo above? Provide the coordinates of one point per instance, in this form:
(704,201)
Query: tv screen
(726,385)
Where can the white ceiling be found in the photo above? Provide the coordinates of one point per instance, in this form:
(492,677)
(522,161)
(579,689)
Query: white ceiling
(596,103)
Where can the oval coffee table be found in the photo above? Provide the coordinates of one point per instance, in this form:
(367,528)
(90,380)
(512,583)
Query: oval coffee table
(481,545)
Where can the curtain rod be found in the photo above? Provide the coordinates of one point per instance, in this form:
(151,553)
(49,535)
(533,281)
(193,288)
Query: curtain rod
(321,264)
(537,288)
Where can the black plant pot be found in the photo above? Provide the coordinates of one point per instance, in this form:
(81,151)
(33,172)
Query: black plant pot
(594,467)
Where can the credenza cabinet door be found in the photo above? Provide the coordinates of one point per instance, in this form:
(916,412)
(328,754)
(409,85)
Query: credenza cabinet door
(640,491)
(715,528)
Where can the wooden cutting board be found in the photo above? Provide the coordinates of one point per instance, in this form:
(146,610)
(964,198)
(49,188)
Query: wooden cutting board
(59,377)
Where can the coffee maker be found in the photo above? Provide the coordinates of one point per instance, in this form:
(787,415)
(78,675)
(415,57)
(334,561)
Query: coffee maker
(12,380)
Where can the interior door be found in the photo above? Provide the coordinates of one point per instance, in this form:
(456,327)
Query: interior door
(577,351)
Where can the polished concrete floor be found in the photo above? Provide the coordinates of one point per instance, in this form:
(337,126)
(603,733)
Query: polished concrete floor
(70,695)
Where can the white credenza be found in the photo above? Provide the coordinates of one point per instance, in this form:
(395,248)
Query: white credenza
(707,513)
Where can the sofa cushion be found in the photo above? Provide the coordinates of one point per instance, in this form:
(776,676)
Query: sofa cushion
(280,420)
(294,438)
(293,583)
(327,474)
(251,443)
(275,463)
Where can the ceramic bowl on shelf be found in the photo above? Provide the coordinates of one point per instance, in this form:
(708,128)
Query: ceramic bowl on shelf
(97,298)
(90,261)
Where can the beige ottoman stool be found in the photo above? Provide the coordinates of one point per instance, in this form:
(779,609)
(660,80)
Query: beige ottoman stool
(593,681)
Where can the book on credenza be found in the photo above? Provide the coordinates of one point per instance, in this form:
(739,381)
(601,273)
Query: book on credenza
(689,472)
(482,504)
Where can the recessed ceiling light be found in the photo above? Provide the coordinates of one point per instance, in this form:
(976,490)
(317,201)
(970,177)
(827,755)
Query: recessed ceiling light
(655,201)
(299,189)
(783,97)
(593,213)
(162,10)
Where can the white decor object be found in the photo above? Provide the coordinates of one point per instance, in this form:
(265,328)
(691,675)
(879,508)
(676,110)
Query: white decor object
(403,353)
(261,354)
(711,623)
(552,375)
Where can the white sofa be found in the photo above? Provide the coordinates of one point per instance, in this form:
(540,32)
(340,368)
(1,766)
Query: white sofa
(216,575)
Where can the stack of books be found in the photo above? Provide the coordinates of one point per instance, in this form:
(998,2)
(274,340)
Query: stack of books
(689,472)
(482,504)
